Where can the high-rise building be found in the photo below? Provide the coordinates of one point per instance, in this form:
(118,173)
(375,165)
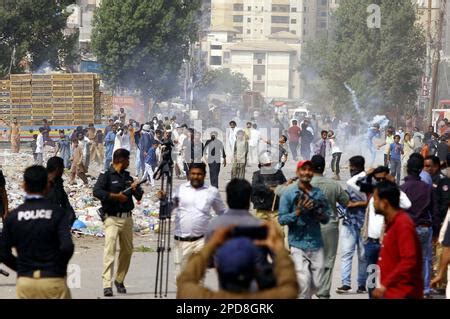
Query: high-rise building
(258,19)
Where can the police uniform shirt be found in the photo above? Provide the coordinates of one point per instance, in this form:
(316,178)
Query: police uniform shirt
(112,181)
(41,235)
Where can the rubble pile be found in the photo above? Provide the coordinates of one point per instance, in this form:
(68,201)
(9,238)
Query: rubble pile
(145,214)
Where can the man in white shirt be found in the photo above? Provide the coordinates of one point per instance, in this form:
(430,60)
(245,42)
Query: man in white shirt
(373,227)
(193,202)
(178,141)
(231,137)
(40,147)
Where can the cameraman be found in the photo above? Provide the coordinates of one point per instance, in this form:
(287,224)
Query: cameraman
(373,227)
(303,208)
(235,264)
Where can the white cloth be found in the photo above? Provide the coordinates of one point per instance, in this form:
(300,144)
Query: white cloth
(334,147)
(376,222)
(122,142)
(352,187)
(40,144)
(255,136)
(193,213)
(231,137)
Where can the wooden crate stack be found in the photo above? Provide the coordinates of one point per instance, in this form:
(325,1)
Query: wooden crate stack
(62,99)
(84,93)
(20,88)
(42,102)
(5,100)
(106,106)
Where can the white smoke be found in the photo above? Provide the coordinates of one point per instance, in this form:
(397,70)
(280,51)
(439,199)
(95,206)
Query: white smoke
(354,98)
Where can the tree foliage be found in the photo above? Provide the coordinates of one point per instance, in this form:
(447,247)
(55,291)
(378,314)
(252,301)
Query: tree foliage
(35,29)
(141,45)
(223,81)
(383,66)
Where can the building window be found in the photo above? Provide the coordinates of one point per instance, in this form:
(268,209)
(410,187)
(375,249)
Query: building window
(293,32)
(238,7)
(261,31)
(304,20)
(293,21)
(323,25)
(262,20)
(293,9)
(238,18)
(216,60)
(259,56)
(323,14)
(304,31)
(249,31)
(240,29)
(304,9)
(324,2)
(226,57)
(249,19)
(280,8)
(259,70)
(280,19)
(259,87)
(258,77)
(216,47)
(276,29)
(249,8)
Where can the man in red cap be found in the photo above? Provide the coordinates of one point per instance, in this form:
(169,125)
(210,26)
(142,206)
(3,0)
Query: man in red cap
(303,208)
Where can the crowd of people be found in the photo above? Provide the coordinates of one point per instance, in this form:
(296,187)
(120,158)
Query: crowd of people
(393,216)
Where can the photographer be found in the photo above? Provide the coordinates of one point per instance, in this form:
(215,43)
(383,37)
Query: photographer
(264,182)
(303,208)
(235,264)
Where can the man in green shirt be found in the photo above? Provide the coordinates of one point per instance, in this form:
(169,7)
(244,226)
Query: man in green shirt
(330,231)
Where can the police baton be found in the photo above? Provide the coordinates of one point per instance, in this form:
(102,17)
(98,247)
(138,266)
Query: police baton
(139,184)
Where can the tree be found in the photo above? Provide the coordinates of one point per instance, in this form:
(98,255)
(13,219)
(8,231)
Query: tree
(141,45)
(383,66)
(223,81)
(35,30)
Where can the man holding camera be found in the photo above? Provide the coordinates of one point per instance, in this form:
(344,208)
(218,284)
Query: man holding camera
(235,261)
(117,206)
(303,208)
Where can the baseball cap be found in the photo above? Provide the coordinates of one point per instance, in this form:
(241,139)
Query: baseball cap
(303,163)
(235,261)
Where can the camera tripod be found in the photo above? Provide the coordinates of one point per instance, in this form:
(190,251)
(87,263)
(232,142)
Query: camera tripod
(165,173)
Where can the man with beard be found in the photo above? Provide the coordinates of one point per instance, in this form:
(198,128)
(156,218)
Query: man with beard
(303,208)
(193,202)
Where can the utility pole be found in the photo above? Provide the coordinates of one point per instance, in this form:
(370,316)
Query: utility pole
(436,61)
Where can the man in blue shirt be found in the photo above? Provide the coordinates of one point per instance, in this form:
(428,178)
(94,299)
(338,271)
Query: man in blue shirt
(303,208)
(395,158)
(109,146)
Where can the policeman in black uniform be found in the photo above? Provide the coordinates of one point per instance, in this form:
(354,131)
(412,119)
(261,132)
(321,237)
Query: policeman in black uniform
(3,197)
(117,208)
(40,233)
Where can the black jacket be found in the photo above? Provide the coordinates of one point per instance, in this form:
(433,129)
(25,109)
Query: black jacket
(58,196)
(262,196)
(114,182)
(41,235)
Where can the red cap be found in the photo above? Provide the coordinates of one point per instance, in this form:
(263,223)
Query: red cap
(303,163)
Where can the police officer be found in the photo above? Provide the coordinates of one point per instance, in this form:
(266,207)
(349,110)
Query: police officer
(40,233)
(117,207)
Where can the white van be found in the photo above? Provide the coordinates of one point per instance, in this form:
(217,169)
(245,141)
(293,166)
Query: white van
(298,114)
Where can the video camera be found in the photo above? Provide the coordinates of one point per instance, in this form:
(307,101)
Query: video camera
(316,213)
(366,184)
(252,232)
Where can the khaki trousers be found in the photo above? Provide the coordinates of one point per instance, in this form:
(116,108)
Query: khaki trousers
(42,288)
(183,250)
(117,229)
(268,215)
(97,153)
